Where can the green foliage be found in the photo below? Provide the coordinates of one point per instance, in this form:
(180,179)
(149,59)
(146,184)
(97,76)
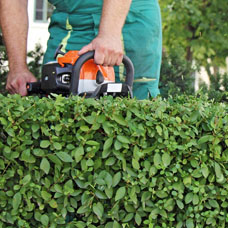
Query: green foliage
(36,58)
(1,39)
(199,27)
(3,70)
(219,87)
(177,74)
(34,65)
(113,162)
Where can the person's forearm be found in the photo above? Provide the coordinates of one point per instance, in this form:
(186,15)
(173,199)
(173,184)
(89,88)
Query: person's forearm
(113,17)
(14,23)
(108,44)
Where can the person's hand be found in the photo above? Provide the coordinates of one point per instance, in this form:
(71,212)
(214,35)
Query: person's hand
(16,81)
(108,50)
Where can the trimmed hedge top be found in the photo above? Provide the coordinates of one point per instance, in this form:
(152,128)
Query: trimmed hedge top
(75,162)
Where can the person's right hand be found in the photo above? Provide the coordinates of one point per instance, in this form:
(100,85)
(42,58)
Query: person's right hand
(16,81)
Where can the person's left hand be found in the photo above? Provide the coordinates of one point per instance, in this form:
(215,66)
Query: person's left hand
(108,50)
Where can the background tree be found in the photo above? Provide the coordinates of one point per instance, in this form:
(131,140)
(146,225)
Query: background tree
(199,27)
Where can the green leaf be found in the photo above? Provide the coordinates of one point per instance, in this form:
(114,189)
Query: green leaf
(120,193)
(106,153)
(78,153)
(116,225)
(7,149)
(188,198)
(54,159)
(157,160)
(179,224)
(226,141)
(58,127)
(10,132)
(133,195)
(100,181)
(2,164)
(109,192)
(128,217)
(3,121)
(205,170)
(138,219)
(92,143)
(109,225)
(107,127)
(169,205)
(211,220)
(166,159)
(116,179)
(73,203)
(108,143)
(38,152)
(98,209)
(17,200)
(70,146)
(68,187)
(45,165)
(195,199)
(101,195)
(129,208)
(205,138)
(213,203)
(159,130)
(180,204)
(117,145)
(190,223)
(218,171)
(111,161)
(154,213)
(57,146)
(83,209)
(35,127)
(84,128)
(81,184)
(45,195)
(44,144)
(44,220)
(120,120)
(37,216)
(108,180)
(90,162)
(53,203)
(161,194)
(145,196)
(58,188)
(163,213)
(26,179)
(64,157)
(123,139)
(178,119)
(27,156)
(187,180)
(135,164)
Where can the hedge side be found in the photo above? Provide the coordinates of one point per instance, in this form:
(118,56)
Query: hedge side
(113,163)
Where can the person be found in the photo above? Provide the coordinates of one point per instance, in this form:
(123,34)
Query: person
(110,27)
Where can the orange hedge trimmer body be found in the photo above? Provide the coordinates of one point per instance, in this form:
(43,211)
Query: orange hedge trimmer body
(79,75)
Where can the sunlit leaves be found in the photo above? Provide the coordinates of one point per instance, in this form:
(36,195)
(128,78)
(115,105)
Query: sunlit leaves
(113,162)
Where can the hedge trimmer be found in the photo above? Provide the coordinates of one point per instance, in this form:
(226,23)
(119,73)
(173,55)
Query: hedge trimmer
(79,75)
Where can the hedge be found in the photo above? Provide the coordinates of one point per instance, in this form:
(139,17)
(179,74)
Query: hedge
(75,162)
